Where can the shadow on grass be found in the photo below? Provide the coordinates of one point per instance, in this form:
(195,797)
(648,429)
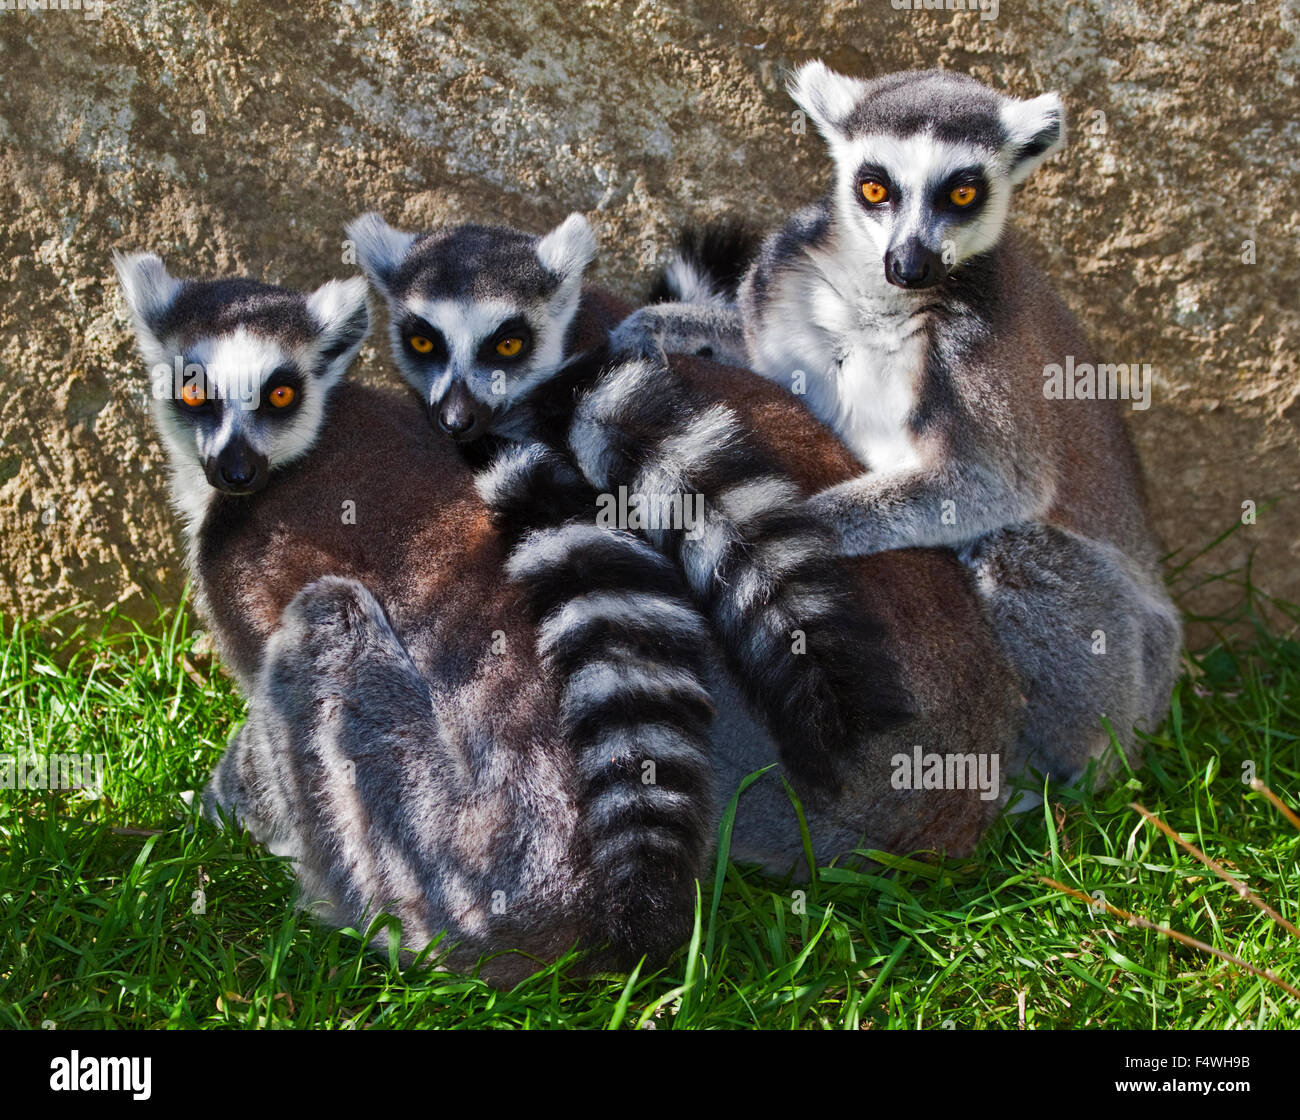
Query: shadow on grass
(123,911)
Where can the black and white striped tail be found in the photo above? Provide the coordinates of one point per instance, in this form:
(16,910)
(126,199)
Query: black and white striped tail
(707,264)
(785,612)
(617,626)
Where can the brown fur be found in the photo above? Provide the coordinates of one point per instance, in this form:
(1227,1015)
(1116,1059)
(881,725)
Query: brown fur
(1084,445)
(967,695)
(425,545)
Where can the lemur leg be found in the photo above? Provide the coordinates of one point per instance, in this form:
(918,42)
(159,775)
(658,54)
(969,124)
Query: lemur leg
(706,330)
(307,774)
(1087,638)
(345,767)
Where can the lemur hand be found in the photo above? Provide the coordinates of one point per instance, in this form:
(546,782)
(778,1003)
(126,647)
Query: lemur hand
(845,511)
(704,330)
(639,336)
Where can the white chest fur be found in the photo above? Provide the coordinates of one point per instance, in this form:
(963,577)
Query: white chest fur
(857,357)
(878,382)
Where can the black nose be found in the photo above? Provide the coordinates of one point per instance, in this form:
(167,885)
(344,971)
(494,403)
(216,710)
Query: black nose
(238,469)
(455,421)
(240,477)
(912,265)
(459,414)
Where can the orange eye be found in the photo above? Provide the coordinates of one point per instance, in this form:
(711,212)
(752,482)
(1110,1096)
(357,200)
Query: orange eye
(282,396)
(420,344)
(192,394)
(962,196)
(874,192)
(509,347)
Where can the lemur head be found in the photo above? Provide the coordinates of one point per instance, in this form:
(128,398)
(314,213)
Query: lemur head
(478,314)
(240,371)
(925,162)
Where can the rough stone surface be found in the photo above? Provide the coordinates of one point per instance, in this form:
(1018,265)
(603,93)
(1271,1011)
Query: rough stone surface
(240,137)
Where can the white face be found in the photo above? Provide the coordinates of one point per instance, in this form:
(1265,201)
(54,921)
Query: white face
(925,165)
(472,358)
(918,207)
(238,405)
(235,405)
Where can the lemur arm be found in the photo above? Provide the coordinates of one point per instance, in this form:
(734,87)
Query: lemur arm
(943,507)
(705,330)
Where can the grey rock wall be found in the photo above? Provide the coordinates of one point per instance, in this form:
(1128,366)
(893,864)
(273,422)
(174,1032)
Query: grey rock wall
(240,136)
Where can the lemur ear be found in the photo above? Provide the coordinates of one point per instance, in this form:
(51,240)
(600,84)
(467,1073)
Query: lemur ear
(150,292)
(380,248)
(339,308)
(825,96)
(569,247)
(1035,129)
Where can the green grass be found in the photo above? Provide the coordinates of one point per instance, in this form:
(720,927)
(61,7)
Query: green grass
(98,921)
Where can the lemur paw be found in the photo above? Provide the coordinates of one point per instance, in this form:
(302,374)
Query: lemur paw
(841,514)
(330,628)
(637,336)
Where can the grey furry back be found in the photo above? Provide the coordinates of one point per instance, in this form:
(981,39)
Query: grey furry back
(345,765)
(505,741)
(410,764)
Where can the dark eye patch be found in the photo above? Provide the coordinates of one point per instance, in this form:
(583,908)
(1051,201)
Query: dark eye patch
(209,412)
(966,177)
(414,327)
(874,173)
(514,327)
(288,376)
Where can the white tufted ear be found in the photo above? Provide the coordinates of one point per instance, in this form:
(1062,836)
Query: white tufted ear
(150,292)
(340,309)
(149,289)
(380,248)
(568,248)
(825,96)
(1035,129)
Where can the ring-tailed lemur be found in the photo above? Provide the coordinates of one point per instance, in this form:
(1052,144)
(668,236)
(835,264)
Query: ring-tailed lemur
(416,755)
(452,739)
(911,323)
(480,324)
(239,372)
